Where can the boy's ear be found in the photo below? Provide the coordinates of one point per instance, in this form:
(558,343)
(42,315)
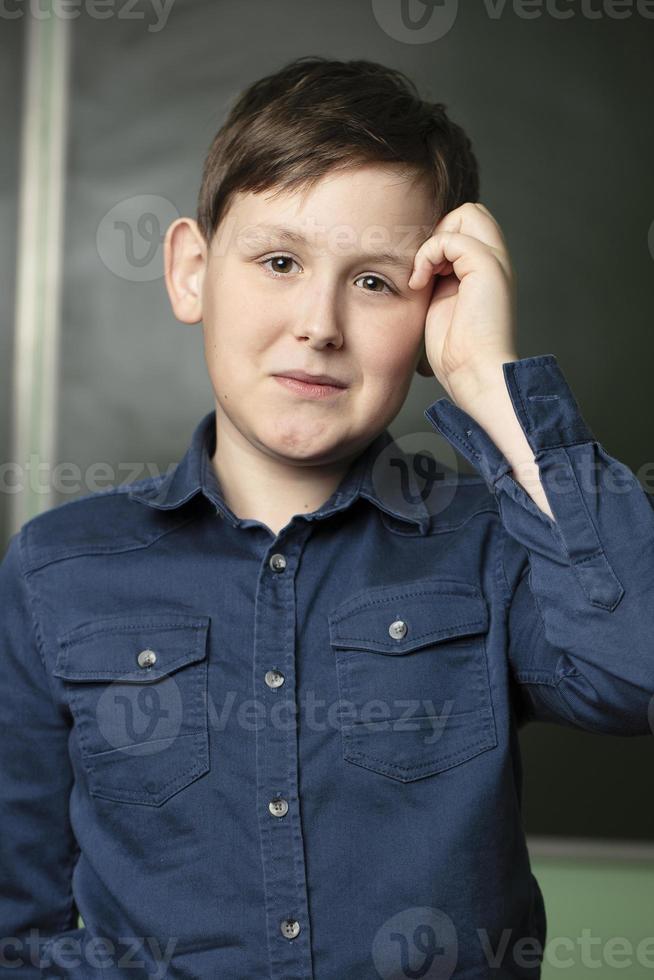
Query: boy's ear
(185,255)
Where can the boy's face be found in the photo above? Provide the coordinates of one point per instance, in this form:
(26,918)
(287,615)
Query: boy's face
(271,304)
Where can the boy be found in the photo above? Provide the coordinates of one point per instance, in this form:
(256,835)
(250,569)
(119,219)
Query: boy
(260,714)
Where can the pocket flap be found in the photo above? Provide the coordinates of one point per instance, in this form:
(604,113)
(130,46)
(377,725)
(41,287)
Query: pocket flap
(425,612)
(108,649)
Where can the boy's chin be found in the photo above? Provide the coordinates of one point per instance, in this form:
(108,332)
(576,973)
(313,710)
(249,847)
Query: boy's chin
(296,444)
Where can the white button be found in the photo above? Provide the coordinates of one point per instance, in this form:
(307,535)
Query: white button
(397,629)
(277,563)
(147,658)
(290,928)
(274,678)
(278,807)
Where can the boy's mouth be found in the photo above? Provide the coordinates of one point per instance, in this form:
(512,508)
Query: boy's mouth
(314,379)
(310,386)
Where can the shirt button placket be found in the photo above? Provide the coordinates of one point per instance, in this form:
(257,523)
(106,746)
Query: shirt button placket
(277,764)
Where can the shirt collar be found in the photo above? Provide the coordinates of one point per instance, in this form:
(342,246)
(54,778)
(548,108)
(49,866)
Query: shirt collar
(373,475)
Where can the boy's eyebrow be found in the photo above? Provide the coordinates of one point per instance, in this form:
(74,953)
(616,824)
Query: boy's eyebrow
(282,233)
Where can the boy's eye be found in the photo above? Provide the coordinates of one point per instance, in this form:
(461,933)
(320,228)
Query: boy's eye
(280,268)
(372,279)
(277,259)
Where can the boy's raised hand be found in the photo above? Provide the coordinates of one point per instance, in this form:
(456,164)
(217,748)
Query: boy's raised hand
(470,323)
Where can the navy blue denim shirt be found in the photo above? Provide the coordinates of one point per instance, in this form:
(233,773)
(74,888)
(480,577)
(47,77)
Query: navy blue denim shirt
(240,755)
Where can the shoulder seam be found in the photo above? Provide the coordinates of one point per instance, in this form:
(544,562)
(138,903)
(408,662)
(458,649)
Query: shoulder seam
(122,488)
(136,546)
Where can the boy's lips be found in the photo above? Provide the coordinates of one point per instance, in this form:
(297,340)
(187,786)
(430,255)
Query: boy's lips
(307,389)
(326,379)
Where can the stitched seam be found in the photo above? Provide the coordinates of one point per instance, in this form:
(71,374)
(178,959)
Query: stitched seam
(122,488)
(197,768)
(508,592)
(418,636)
(600,550)
(141,675)
(523,676)
(35,623)
(457,438)
(538,360)
(595,554)
(432,529)
(539,611)
(563,445)
(337,617)
(518,391)
(67,639)
(40,646)
(139,545)
(462,753)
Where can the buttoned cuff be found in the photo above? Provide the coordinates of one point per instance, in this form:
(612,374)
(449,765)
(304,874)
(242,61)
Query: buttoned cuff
(574,472)
(545,407)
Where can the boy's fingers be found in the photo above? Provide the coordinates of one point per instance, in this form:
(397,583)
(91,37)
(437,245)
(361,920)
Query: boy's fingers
(465,254)
(473,219)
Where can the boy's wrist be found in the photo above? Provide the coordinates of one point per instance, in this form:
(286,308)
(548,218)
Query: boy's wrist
(474,382)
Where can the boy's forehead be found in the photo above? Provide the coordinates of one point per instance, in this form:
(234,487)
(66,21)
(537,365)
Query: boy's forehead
(370,186)
(384,195)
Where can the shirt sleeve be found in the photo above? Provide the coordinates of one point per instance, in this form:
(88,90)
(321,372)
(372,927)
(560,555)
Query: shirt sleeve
(37,845)
(579,590)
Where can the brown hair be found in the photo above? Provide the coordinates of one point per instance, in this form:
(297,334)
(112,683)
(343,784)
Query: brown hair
(315,115)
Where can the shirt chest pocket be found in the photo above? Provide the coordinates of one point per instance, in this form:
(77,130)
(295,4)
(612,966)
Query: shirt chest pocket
(137,691)
(413,680)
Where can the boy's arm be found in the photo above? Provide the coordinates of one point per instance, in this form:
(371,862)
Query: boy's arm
(579,589)
(37,845)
